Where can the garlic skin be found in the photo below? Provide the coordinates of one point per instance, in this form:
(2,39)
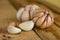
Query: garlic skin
(43,18)
(27,26)
(12,28)
(19,13)
(26,13)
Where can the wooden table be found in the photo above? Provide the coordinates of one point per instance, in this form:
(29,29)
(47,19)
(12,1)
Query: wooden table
(8,10)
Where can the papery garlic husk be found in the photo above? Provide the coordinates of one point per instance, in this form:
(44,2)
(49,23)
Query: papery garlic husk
(27,26)
(43,18)
(13,24)
(26,13)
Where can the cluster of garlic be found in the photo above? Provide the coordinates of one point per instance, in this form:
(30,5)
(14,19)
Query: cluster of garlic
(30,15)
(41,17)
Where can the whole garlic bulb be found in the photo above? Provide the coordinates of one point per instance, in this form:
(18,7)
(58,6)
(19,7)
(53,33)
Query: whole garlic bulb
(26,13)
(43,18)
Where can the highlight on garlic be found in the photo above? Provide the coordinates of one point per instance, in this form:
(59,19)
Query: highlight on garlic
(12,29)
(43,18)
(26,13)
(26,26)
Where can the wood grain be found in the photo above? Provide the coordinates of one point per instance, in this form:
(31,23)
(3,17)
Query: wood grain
(8,14)
(56,31)
(49,5)
(43,34)
(57,19)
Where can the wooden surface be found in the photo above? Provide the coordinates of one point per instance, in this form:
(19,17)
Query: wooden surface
(8,9)
(49,5)
(8,14)
(56,2)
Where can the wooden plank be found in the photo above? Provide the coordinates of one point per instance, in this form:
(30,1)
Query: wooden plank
(56,2)
(45,34)
(57,19)
(56,31)
(49,5)
(7,14)
(19,3)
(42,33)
(50,34)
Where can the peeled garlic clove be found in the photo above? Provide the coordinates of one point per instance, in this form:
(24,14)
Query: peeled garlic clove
(19,13)
(26,26)
(13,30)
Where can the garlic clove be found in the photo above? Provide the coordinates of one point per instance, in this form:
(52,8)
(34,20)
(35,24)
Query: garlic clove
(28,7)
(38,13)
(13,30)
(49,22)
(44,25)
(33,8)
(25,15)
(26,26)
(41,20)
(19,13)
(35,19)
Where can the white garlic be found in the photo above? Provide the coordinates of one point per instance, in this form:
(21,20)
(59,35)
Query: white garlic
(26,14)
(13,29)
(19,13)
(26,26)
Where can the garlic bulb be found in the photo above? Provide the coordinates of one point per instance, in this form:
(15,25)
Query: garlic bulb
(26,26)
(26,13)
(12,29)
(43,18)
